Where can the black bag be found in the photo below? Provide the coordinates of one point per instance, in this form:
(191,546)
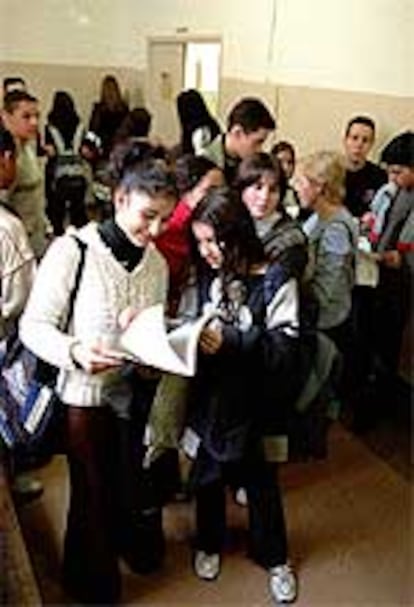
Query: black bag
(32,412)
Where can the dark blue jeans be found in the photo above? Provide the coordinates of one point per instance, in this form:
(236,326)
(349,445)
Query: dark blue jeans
(267,528)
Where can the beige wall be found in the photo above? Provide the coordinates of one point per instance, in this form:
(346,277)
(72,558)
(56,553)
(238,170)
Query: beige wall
(359,45)
(352,45)
(315,62)
(232,89)
(310,117)
(315,118)
(81,80)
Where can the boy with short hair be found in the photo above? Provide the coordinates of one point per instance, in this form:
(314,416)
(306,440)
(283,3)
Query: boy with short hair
(363,177)
(26,196)
(248,125)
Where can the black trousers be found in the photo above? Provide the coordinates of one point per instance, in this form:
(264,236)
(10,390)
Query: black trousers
(343,337)
(90,565)
(267,528)
(110,512)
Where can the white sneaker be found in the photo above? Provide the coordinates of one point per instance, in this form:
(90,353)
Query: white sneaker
(240,497)
(206,566)
(283,584)
(26,488)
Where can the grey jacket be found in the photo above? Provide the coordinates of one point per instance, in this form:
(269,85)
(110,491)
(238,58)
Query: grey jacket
(332,252)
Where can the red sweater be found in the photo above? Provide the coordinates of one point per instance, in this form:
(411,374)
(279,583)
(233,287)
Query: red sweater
(174,244)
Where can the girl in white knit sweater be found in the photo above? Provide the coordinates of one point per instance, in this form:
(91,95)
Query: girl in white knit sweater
(122,272)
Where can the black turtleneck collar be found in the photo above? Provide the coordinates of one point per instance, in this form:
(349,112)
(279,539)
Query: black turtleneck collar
(124,251)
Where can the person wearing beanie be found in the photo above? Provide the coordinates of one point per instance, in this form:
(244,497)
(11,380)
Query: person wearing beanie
(400,150)
(398,155)
(396,261)
(387,212)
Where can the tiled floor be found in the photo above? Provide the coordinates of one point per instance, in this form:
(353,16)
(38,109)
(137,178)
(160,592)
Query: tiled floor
(349,527)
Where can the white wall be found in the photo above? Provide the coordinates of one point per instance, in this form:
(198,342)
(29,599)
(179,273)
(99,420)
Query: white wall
(360,45)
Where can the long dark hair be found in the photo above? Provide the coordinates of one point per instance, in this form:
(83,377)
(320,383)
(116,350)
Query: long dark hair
(193,114)
(223,210)
(111,97)
(63,114)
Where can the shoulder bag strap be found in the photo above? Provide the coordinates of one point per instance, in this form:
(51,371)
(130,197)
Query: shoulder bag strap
(77,138)
(14,344)
(82,250)
(57,139)
(45,373)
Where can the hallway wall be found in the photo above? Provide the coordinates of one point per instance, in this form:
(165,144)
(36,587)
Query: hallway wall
(316,63)
(82,80)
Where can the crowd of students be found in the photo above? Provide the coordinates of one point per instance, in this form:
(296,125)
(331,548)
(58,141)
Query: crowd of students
(214,223)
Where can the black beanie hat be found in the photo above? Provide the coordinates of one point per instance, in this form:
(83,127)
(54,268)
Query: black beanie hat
(400,150)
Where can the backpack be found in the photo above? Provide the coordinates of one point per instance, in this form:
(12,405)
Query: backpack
(69,166)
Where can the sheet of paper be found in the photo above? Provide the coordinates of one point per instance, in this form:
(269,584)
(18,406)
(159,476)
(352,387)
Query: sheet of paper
(146,339)
(366,271)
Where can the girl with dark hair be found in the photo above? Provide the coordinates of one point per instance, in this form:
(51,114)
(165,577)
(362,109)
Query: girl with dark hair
(194,176)
(63,116)
(108,114)
(262,184)
(284,152)
(123,273)
(65,178)
(235,423)
(198,127)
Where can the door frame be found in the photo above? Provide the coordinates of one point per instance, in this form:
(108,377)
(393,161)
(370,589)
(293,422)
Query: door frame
(183,38)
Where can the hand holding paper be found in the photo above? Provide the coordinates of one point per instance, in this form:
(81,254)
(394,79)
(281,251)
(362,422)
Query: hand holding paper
(146,340)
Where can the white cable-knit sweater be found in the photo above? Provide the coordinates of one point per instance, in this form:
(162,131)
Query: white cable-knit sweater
(106,288)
